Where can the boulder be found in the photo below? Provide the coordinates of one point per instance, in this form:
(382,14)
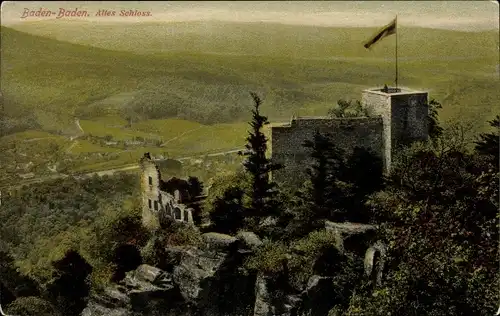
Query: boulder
(139,291)
(194,270)
(218,242)
(94,309)
(268,304)
(319,297)
(248,240)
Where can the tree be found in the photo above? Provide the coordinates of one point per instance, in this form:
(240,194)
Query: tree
(347,109)
(339,184)
(225,202)
(435,130)
(12,283)
(487,145)
(195,189)
(439,215)
(227,216)
(259,167)
(321,191)
(70,286)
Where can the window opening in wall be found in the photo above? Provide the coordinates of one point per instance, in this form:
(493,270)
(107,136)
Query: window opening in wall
(177,213)
(149,203)
(186,216)
(150,181)
(156,205)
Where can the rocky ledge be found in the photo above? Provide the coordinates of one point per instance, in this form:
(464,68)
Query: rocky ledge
(209,280)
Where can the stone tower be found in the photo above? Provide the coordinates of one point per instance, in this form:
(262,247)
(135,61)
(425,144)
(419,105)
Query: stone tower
(161,201)
(151,198)
(404,113)
(396,117)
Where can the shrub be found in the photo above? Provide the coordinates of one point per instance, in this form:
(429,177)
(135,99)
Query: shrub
(269,258)
(31,306)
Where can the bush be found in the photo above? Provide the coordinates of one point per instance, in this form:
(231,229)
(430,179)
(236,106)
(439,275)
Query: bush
(179,234)
(31,306)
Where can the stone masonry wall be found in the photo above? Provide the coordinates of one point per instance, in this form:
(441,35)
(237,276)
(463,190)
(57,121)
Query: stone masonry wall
(380,105)
(348,133)
(158,204)
(404,115)
(409,118)
(150,193)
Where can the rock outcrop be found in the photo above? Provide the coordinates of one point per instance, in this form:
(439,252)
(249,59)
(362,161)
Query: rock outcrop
(210,280)
(203,281)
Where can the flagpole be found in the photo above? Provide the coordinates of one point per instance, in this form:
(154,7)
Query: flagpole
(396,51)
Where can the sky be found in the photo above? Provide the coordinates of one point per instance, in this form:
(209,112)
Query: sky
(458,15)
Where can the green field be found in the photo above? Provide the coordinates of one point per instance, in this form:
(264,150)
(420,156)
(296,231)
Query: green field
(185,85)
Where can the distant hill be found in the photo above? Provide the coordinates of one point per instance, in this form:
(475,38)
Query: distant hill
(203,71)
(269,39)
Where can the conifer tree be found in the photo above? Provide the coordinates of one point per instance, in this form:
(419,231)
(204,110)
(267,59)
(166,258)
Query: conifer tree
(487,145)
(435,130)
(259,166)
(322,189)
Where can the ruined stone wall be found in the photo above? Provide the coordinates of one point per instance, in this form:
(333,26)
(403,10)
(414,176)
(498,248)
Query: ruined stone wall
(348,133)
(150,181)
(157,205)
(174,209)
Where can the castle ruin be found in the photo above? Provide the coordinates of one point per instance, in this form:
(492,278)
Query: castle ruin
(396,117)
(158,201)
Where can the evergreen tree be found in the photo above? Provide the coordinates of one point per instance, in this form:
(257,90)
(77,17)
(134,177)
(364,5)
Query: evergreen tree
(195,189)
(339,184)
(322,189)
(435,130)
(487,145)
(259,166)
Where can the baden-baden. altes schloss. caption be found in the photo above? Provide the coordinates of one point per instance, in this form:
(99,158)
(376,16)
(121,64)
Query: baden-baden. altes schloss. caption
(123,13)
(72,13)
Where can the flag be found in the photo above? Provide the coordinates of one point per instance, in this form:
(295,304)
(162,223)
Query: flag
(387,30)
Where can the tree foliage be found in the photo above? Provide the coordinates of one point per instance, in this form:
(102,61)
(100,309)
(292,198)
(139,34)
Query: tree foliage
(12,283)
(32,306)
(70,286)
(259,167)
(487,144)
(435,130)
(440,213)
(348,109)
(339,184)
